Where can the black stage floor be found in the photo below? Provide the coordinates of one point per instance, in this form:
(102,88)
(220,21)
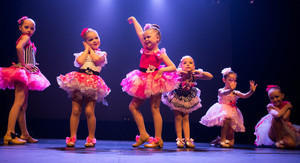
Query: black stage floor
(54,150)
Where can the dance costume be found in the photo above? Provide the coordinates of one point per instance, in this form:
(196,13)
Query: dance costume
(141,84)
(34,80)
(225,108)
(86,81)
(184,99)
(263,126)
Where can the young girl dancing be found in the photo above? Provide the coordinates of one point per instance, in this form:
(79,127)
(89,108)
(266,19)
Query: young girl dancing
(185,99)
(85,84)
(276,126)
(150,81)
(225,113)
(22,77)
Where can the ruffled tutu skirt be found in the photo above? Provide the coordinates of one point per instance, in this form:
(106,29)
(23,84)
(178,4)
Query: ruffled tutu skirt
(92,86)
(184,104)
(142,85)
(12,74)
(217,113)
(262,131)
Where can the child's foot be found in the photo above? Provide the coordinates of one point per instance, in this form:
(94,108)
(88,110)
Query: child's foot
(225,144)
(71,141)
(154,143)
(28,139)
(279,144)
(90,142)
(180,143)
(189,143)
(216,141)
(140,140)
(13,139)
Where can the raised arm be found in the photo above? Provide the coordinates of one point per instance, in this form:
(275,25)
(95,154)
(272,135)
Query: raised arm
(169,66)
(82,58)
(250,93)
(20,49)
(202,75)
(138,29)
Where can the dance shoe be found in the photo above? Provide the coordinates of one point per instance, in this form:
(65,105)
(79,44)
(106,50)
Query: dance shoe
(180,143)
(189,143)
(71,141)
(225,144)
(29,139)
(90,142)
(140,140)
(154,143)
(13,140)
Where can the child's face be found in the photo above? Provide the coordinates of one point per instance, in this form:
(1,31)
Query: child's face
(187,64)
(275,96)
(231,78)
(151,38)
(93,40)
(27,28)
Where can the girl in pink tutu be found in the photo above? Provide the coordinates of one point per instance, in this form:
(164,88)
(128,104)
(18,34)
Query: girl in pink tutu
(275,127)
(185,99)
(85,84)
(150,81)
(225,113)
(22,77)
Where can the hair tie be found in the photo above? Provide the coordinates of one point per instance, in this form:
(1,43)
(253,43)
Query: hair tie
(271,86)
(83,32)
(147,26)
(21,19)
(225,71)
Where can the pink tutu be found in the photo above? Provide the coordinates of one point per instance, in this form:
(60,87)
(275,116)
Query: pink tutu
(262,131)
(88,85)
(185,104)
(217,113)
(142,85)
(12,74)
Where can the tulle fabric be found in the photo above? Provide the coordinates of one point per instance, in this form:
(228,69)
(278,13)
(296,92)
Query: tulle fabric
(92,86)
(217,113)
(142,85)
(181,103)
(12,74)
(262,131)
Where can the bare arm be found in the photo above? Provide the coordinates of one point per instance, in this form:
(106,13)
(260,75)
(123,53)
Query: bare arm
(20,49)
(138,29)
(96,58)
(250,93)
(202,75)
(82,58)
(169,66)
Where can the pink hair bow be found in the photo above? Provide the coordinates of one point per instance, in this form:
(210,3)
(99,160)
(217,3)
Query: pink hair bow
(89,140)
(21,19)
(147,26)
(155,140)
(271,86)
(83,32)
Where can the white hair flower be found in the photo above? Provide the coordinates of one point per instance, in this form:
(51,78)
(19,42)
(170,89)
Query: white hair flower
(225,71)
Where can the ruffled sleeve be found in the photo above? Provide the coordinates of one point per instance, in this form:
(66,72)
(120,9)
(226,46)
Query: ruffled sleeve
(76,64)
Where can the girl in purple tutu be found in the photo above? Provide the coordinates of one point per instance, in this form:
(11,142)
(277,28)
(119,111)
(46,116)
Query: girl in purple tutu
(85,85)
(275,127)
(150,81)
(22,77)
(185,99)
(225,113)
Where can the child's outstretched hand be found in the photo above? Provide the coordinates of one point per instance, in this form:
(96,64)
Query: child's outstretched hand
(252,85)
(130,19)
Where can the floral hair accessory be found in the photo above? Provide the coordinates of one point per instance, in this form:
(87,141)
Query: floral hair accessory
(83,32)
(21,19)
(147,26)
(271,86)
(225,71)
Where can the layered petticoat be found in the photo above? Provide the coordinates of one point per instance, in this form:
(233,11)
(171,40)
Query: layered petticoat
(217,113)
(142,85)
(92,86)
(183,103)
(10,75)
(262,131)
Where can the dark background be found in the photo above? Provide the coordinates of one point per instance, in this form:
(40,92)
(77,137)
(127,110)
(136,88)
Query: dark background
(260,41)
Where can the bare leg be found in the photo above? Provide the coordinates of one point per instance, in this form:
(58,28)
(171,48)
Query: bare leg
(75,115)
(289,142)
(178,123)
(20,98)
(137,115)
(90,116)
(230,136)
(224,129)
(22,117)
(155,103)
(275,130)
(186,126)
